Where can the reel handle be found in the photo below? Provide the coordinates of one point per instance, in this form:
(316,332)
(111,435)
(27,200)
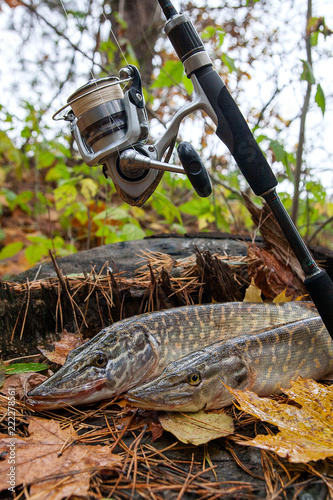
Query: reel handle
(195,169)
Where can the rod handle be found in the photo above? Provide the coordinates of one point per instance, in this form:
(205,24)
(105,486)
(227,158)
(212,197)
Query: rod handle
(195,169)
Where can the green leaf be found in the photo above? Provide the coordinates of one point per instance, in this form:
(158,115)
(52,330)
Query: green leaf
(89,188)
(278,150)
(10,249)
(131,231)
(59,171)
(320,98)
(113,213)
(16,368)
(197,207)
(211,31)
(171,74)
(165,207)
(64,195)
(45,159)
(314,38)
(307,73)
(229,62)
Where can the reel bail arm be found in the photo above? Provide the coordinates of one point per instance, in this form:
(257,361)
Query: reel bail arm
(234,132)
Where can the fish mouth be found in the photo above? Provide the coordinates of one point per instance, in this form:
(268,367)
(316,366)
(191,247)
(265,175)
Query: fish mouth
(88,393)
(149,404)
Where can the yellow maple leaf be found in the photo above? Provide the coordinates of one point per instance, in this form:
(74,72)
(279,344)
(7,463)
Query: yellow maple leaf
(306,433)
(282,297)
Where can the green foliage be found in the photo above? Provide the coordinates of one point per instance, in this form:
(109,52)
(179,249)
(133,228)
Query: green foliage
(307,73)
(16,368)
(229,62)
(10,249)
(171,74)
(320,98)
(213,32)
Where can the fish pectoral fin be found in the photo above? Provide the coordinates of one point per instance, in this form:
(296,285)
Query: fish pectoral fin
(235,370)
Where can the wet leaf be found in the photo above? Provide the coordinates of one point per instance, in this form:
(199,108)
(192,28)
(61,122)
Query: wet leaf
(68,342)
(197,428)
(306,433)
(50,463)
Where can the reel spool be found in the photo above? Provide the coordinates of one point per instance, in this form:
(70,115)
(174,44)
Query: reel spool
(110,128)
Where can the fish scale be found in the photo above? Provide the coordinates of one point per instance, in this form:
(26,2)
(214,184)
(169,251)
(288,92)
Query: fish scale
(137,349)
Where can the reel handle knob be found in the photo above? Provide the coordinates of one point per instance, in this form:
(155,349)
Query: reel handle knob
(195,169)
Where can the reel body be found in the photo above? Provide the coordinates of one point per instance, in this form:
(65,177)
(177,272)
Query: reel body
(111,129)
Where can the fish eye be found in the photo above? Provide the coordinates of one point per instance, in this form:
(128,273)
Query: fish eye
(194,378)
(100,360)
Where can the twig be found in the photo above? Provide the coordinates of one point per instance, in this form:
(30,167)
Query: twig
(319,228)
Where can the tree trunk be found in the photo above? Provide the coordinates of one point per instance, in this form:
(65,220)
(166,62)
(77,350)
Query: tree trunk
(305,107)
(143,25)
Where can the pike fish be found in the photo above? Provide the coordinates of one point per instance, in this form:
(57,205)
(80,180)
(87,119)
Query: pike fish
(263,363)
(135,350)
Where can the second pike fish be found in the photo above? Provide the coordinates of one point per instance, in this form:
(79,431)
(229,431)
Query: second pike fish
(262,363)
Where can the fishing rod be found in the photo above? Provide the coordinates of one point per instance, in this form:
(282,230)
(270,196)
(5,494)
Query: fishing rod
(110,126)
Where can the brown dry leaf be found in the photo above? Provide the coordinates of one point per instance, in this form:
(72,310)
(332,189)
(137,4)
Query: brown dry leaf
(22,383)
(197,428)
(62,347)
(44,461)
(253,293)
(156,430)
(306,433)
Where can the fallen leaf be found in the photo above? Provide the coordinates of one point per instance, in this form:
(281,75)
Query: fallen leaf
(253,293)
(282,297)
(48,461)
(197,428)
(22,383)
(156,430)
(62,347)
(306,433)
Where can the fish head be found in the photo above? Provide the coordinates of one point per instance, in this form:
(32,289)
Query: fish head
(195,382)
(102,368)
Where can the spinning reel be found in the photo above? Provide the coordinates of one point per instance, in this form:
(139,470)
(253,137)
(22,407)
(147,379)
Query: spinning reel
(110,127)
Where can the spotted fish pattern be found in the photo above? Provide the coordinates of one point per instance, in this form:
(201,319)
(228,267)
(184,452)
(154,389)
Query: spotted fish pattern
(263,362)
(135,350)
